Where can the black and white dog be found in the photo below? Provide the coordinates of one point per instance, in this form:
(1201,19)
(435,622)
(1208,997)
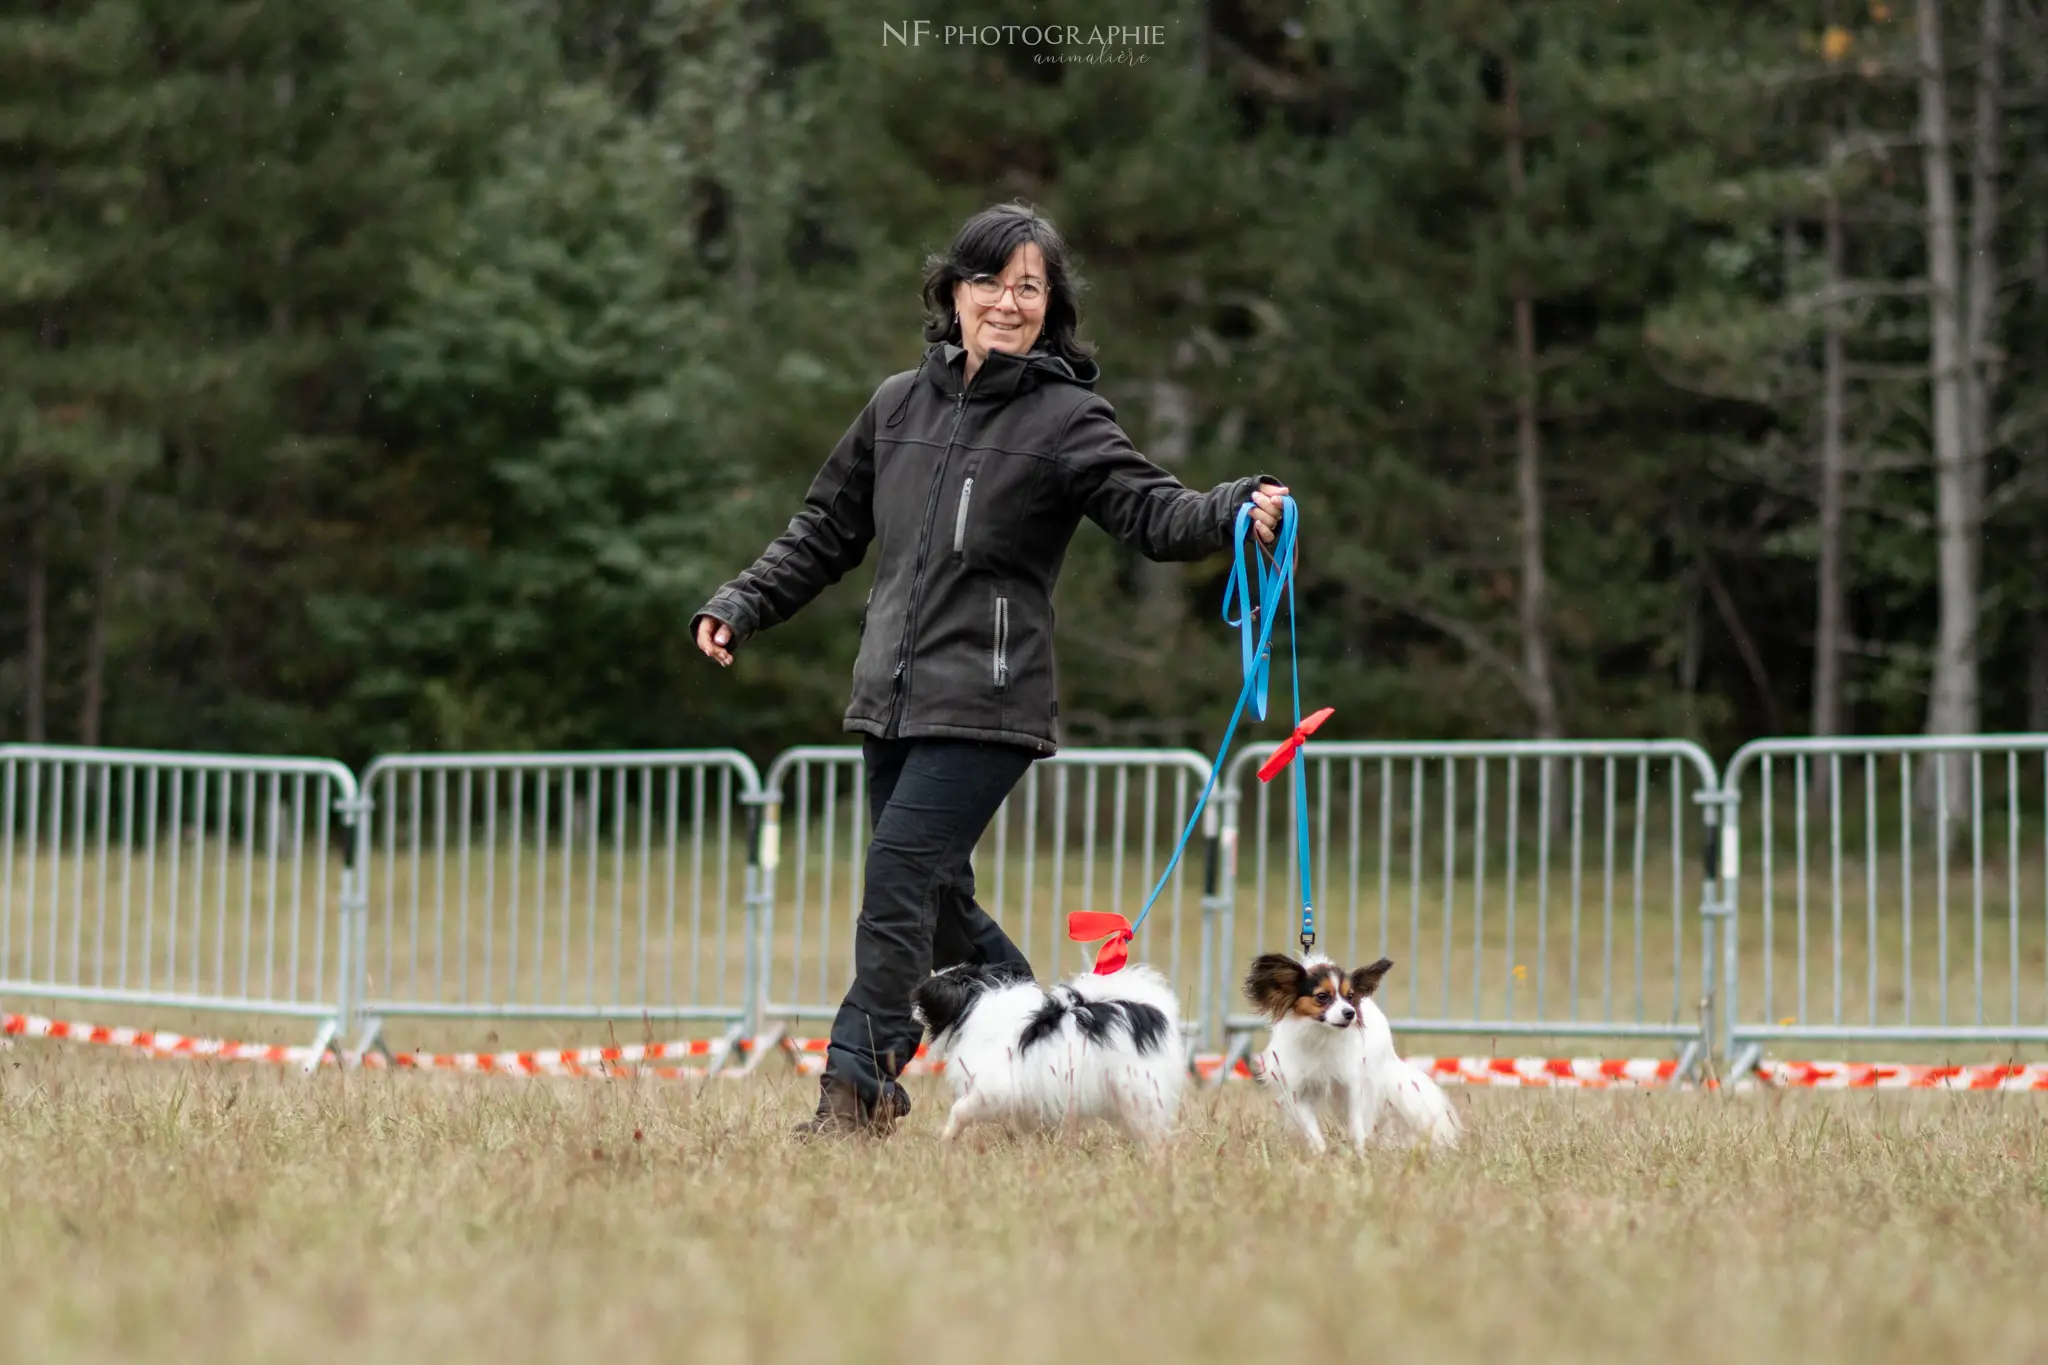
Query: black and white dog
(1024,1057)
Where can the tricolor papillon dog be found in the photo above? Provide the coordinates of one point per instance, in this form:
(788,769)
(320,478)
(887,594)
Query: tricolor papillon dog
(1332,1055)
(1030,1059)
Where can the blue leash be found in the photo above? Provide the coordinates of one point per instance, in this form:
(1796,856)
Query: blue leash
(1274,577)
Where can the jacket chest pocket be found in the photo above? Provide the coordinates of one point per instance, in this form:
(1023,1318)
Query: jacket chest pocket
(999,648)
(974,492)
(960,512)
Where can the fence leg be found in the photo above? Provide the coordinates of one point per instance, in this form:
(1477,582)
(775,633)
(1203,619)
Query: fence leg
(354,809)
(1717,918)
(760,1045)
(1219,918)
(1731,940)
(323,1044)
(1238,1046)
(764,847)
(734,1041)
(372,1036)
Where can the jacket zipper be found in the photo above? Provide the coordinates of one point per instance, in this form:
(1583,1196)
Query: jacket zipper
(1002,643)
(901,700)
(960,520)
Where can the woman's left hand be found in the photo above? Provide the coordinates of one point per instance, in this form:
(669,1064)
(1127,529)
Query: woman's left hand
(1266,511)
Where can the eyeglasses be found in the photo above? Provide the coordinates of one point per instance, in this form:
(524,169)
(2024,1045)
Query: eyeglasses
(987,289)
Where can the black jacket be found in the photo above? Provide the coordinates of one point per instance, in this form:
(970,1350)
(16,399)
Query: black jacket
(973,498)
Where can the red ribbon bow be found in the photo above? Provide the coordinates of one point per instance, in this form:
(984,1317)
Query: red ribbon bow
(1284,755)
(1085,926)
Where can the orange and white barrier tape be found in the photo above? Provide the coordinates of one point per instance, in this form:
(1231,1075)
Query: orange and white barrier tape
(628,1059)
(808,1054)
(150,1041)
(1878,1076)
(1560,1072)
(623,1059)
(662,1060)
(1580,1073)
(1583,1073)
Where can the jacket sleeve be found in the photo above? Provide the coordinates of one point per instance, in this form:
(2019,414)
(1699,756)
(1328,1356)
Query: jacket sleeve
(825,541)
(1141,504)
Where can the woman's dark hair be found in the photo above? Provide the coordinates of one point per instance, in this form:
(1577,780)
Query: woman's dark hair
(983,246)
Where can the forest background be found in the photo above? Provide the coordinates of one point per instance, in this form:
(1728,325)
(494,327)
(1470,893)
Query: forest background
(400,374)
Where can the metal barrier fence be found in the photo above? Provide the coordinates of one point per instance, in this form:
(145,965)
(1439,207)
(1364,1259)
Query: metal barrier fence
(184,881)
(1523,889)
(1880,904)
(573,886)
(1895,892)
(1086,829)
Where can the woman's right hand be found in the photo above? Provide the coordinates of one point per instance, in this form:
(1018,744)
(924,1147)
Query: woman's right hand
(1267,511)
(713,635)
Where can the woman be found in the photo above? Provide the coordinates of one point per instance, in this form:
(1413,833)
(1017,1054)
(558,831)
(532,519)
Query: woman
(972,473)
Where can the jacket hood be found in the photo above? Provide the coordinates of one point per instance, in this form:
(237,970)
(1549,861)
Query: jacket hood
(1003,374)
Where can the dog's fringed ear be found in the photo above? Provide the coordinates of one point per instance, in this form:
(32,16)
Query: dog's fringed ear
(944,998)
(1366,979)
(1274,983)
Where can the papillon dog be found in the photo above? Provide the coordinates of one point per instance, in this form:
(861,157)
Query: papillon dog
(1026,1058)
(1332,1053)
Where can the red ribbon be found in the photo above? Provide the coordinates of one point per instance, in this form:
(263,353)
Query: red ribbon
(1284,755)
(1085,926)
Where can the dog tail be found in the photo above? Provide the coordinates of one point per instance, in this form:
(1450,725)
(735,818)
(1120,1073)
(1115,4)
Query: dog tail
(1423,1106)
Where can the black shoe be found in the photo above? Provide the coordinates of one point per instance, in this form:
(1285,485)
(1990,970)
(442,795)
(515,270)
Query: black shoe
(897,1101)
(842,1112)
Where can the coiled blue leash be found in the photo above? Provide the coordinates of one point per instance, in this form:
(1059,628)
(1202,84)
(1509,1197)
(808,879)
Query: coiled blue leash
(1274,579)
(1258,589)
(1283,756)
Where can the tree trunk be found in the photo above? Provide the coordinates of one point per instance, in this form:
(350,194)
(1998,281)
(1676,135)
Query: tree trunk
(37,662)
(1162,592)
(2037,612)
(1830,591)
(1538,686)
(1952,705)
(1745,644)
(2037,620)
(283,90)
(103,591)
(38,589)
(1692,643)
(1980,300)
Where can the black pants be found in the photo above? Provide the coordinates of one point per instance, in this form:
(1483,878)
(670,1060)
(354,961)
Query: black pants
(930,800)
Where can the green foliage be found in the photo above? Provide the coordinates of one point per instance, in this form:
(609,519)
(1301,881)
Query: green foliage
(558,386)
(431,360)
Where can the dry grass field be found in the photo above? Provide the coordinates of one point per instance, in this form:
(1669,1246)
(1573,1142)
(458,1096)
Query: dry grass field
(226,1213)
(177,1211)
